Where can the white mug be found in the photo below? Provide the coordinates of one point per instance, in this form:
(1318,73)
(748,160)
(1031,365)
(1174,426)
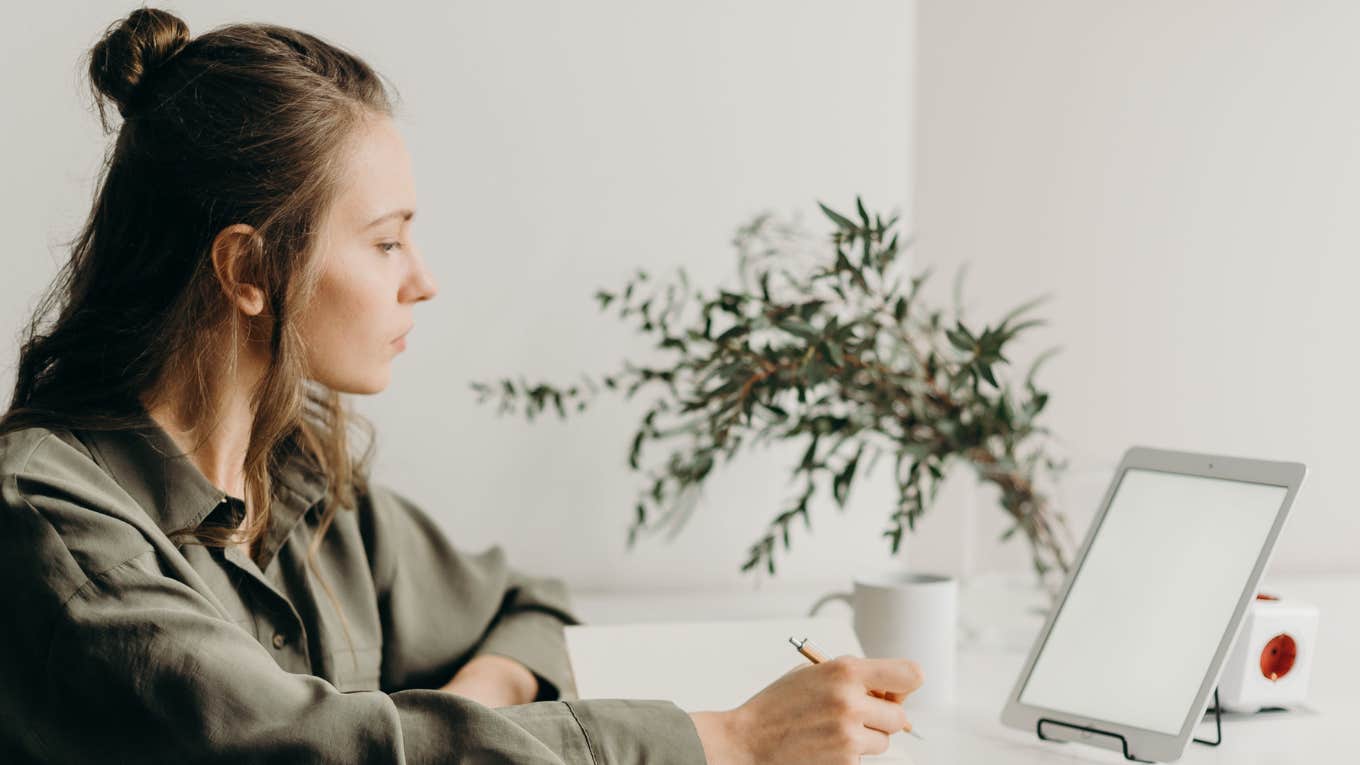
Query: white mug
(911,616)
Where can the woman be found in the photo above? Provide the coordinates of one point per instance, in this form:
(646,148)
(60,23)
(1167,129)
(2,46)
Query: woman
(197,568)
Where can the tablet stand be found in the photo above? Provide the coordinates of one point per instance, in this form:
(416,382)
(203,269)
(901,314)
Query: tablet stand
(1218,725)
(1218,728)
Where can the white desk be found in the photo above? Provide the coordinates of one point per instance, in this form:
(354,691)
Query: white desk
(971,732)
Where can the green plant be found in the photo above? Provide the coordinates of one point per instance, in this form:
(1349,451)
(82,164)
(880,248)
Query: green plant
(822,345)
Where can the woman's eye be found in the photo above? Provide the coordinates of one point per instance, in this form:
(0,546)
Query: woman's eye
(384,246)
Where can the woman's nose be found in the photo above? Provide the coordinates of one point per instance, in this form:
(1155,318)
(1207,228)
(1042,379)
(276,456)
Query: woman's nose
(421,285)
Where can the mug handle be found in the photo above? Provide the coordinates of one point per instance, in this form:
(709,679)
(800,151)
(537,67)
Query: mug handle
(841,596)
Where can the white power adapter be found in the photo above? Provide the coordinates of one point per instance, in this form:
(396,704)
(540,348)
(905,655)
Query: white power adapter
(1270,662)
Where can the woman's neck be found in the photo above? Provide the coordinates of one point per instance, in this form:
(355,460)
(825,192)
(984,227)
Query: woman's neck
(221,455)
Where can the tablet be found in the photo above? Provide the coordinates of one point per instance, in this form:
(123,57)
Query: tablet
(1130,656)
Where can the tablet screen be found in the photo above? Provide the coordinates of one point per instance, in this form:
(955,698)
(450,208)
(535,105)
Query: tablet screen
(1155,593)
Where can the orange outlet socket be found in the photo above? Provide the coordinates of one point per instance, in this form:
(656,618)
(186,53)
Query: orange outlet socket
(1277,658)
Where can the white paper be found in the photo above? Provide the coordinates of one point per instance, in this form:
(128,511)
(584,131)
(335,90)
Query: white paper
(701,666)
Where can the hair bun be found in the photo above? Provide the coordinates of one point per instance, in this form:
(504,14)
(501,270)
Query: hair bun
(131,50)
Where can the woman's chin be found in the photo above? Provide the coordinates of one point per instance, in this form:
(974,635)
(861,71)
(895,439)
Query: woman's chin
(361,386)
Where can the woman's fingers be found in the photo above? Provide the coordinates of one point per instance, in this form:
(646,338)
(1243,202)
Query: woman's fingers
(871,741)
(884,716)
(890,676)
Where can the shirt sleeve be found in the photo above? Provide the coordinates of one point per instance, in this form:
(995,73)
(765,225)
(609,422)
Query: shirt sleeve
(441,606)
(123,663)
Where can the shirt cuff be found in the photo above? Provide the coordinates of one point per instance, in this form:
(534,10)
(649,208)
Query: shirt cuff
(536,640)
(620,731)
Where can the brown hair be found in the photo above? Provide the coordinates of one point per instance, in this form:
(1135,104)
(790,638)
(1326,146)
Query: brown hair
(246,123)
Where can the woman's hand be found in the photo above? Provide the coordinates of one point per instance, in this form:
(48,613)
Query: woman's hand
(494,681)
(821,713)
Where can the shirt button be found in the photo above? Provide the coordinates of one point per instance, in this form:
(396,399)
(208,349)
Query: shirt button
(279,640)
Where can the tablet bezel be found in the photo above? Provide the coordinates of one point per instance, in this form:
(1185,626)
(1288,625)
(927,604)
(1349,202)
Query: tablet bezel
(1142,743)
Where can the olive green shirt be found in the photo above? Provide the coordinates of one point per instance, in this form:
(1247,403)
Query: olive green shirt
(119,645)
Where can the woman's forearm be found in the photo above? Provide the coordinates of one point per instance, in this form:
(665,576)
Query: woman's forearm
(494,681)
(718,734)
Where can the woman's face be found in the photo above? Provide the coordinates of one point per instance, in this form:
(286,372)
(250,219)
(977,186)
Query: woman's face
(372,275)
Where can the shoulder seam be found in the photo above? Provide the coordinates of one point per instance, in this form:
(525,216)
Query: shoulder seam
(89,578)
(29,457)
(27,502)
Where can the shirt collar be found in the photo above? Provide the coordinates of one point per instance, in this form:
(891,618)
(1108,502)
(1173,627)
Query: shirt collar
(150,467)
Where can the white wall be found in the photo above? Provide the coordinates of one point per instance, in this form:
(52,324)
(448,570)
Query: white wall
(558,146)
(1185,177)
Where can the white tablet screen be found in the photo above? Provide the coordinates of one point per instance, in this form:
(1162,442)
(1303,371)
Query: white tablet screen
(1152,599)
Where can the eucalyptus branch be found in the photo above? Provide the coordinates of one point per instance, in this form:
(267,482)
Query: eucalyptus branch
(821,345)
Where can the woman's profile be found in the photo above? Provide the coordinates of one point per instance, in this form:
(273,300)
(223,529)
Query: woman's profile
(197,566)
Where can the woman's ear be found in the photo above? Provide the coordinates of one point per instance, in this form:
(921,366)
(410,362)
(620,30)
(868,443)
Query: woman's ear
(232,249)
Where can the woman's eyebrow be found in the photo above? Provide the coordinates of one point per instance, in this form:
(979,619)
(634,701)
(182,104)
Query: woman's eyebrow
(404,213)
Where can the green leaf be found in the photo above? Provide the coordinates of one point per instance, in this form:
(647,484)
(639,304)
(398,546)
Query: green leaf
(736,330)
(800,328)
(1037,405)
(1004,414)
(840,485)
(841,221)
(917,281)
(809,309)
(895,534)
(960,340)
(1039,362)
(673,342)
(816,373)
(636,449)
(1025,308)
(1006,333)
(857,278)
(959,277)
(833,352)
(985,371)
(810,455)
